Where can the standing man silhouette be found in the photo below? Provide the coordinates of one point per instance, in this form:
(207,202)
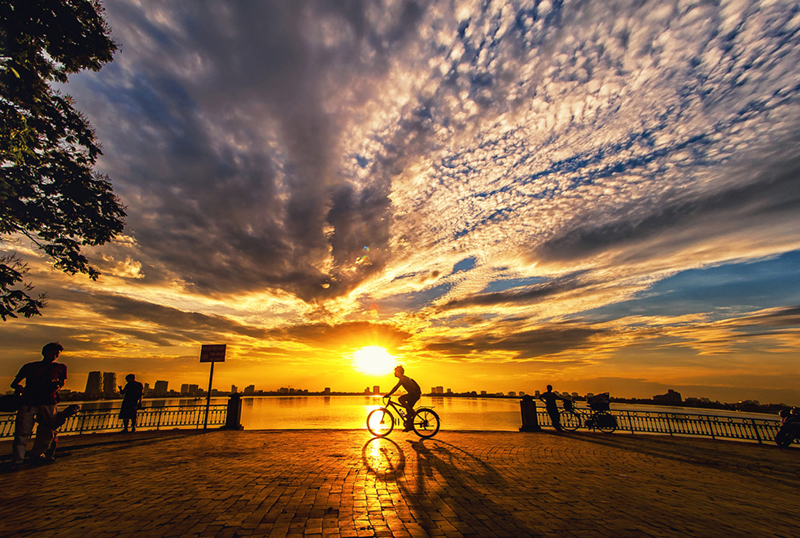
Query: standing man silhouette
(549,398)
(131,401)
(43,379)
(406,400)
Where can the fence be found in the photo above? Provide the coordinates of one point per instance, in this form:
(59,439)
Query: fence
(147,418)
(714,426)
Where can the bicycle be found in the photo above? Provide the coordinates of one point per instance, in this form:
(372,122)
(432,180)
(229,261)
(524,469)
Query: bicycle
(598,418)
(381,421)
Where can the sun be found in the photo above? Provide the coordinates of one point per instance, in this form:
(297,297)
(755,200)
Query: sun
(373,360)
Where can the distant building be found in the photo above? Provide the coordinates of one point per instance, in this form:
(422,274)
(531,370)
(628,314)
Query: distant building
(193,389)
(94,383)
(521,393)
(575,395)
(185,389)
(588,395)
(234,389)
(109,383)
(449,391)
(161,388)
(483,393)
(146,389)
(250,389)
(283,390)
(536,394)
(670,397)
(327,390)
(695,401)
(367,391)
(512,393)
(376,389)
(437,390)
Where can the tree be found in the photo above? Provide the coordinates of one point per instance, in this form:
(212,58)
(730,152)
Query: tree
(49,191)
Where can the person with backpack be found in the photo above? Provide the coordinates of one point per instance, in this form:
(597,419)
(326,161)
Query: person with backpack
(43,379)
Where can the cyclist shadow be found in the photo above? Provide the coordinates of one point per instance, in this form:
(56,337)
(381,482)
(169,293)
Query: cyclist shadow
(444,473)
(383,458)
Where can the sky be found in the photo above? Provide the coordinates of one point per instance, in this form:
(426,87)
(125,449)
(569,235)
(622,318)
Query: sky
(604,196)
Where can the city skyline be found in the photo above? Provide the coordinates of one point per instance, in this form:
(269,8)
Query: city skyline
(499,194)
(95,378)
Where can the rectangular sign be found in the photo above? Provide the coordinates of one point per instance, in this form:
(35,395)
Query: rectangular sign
(212,353)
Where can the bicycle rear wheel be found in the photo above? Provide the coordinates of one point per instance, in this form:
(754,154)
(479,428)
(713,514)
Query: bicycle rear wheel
(426,422)
(380,422)
(570,421)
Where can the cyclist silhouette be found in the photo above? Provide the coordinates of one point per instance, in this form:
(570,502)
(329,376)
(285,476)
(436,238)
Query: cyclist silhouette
(406,400)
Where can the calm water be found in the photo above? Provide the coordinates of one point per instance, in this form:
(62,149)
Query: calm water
(350,412)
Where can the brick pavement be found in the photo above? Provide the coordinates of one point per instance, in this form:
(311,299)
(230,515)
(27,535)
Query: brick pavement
(346,484)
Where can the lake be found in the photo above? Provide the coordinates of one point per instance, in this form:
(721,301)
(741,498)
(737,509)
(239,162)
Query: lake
(350,412)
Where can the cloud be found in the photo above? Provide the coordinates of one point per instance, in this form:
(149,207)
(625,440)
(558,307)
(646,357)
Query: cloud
(225,138)
(544,341)
(350,335)
(772,318)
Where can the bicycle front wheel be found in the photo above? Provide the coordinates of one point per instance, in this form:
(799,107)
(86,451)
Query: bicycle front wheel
(570,421)
(426,422)
(380,422)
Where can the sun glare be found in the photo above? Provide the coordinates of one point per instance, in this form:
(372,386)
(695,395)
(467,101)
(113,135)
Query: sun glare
(373,360)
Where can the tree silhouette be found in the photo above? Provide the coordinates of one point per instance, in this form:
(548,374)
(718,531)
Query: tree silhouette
(49,192)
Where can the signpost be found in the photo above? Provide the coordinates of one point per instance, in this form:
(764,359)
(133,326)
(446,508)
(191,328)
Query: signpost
(211,353)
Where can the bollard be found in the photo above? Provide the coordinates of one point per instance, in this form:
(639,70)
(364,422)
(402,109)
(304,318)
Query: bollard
(233,419)
(530,421)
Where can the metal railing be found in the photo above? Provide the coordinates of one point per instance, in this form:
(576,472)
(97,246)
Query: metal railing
(713,426)
(147,418)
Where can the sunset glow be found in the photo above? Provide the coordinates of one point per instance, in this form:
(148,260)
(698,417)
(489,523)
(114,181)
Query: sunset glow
(373,360)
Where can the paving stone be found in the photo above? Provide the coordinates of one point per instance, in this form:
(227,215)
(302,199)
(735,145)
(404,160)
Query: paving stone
(345,484)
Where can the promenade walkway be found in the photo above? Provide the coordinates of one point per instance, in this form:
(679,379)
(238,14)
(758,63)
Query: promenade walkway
(346,484)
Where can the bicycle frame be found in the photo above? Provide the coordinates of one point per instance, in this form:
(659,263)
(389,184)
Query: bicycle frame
(397,407)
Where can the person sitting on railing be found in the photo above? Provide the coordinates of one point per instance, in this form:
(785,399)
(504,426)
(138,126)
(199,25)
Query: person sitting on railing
(550,402)
(131,402)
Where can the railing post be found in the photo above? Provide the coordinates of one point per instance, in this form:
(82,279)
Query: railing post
(83,419)
(669,425)
(755,429)
(710,427)
(233,418)
(530,421)
(630,422)
(158,418)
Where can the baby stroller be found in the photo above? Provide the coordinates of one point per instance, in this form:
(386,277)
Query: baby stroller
(599,402)
(601,419)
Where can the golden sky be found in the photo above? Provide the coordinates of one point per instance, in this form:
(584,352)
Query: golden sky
(601,196)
